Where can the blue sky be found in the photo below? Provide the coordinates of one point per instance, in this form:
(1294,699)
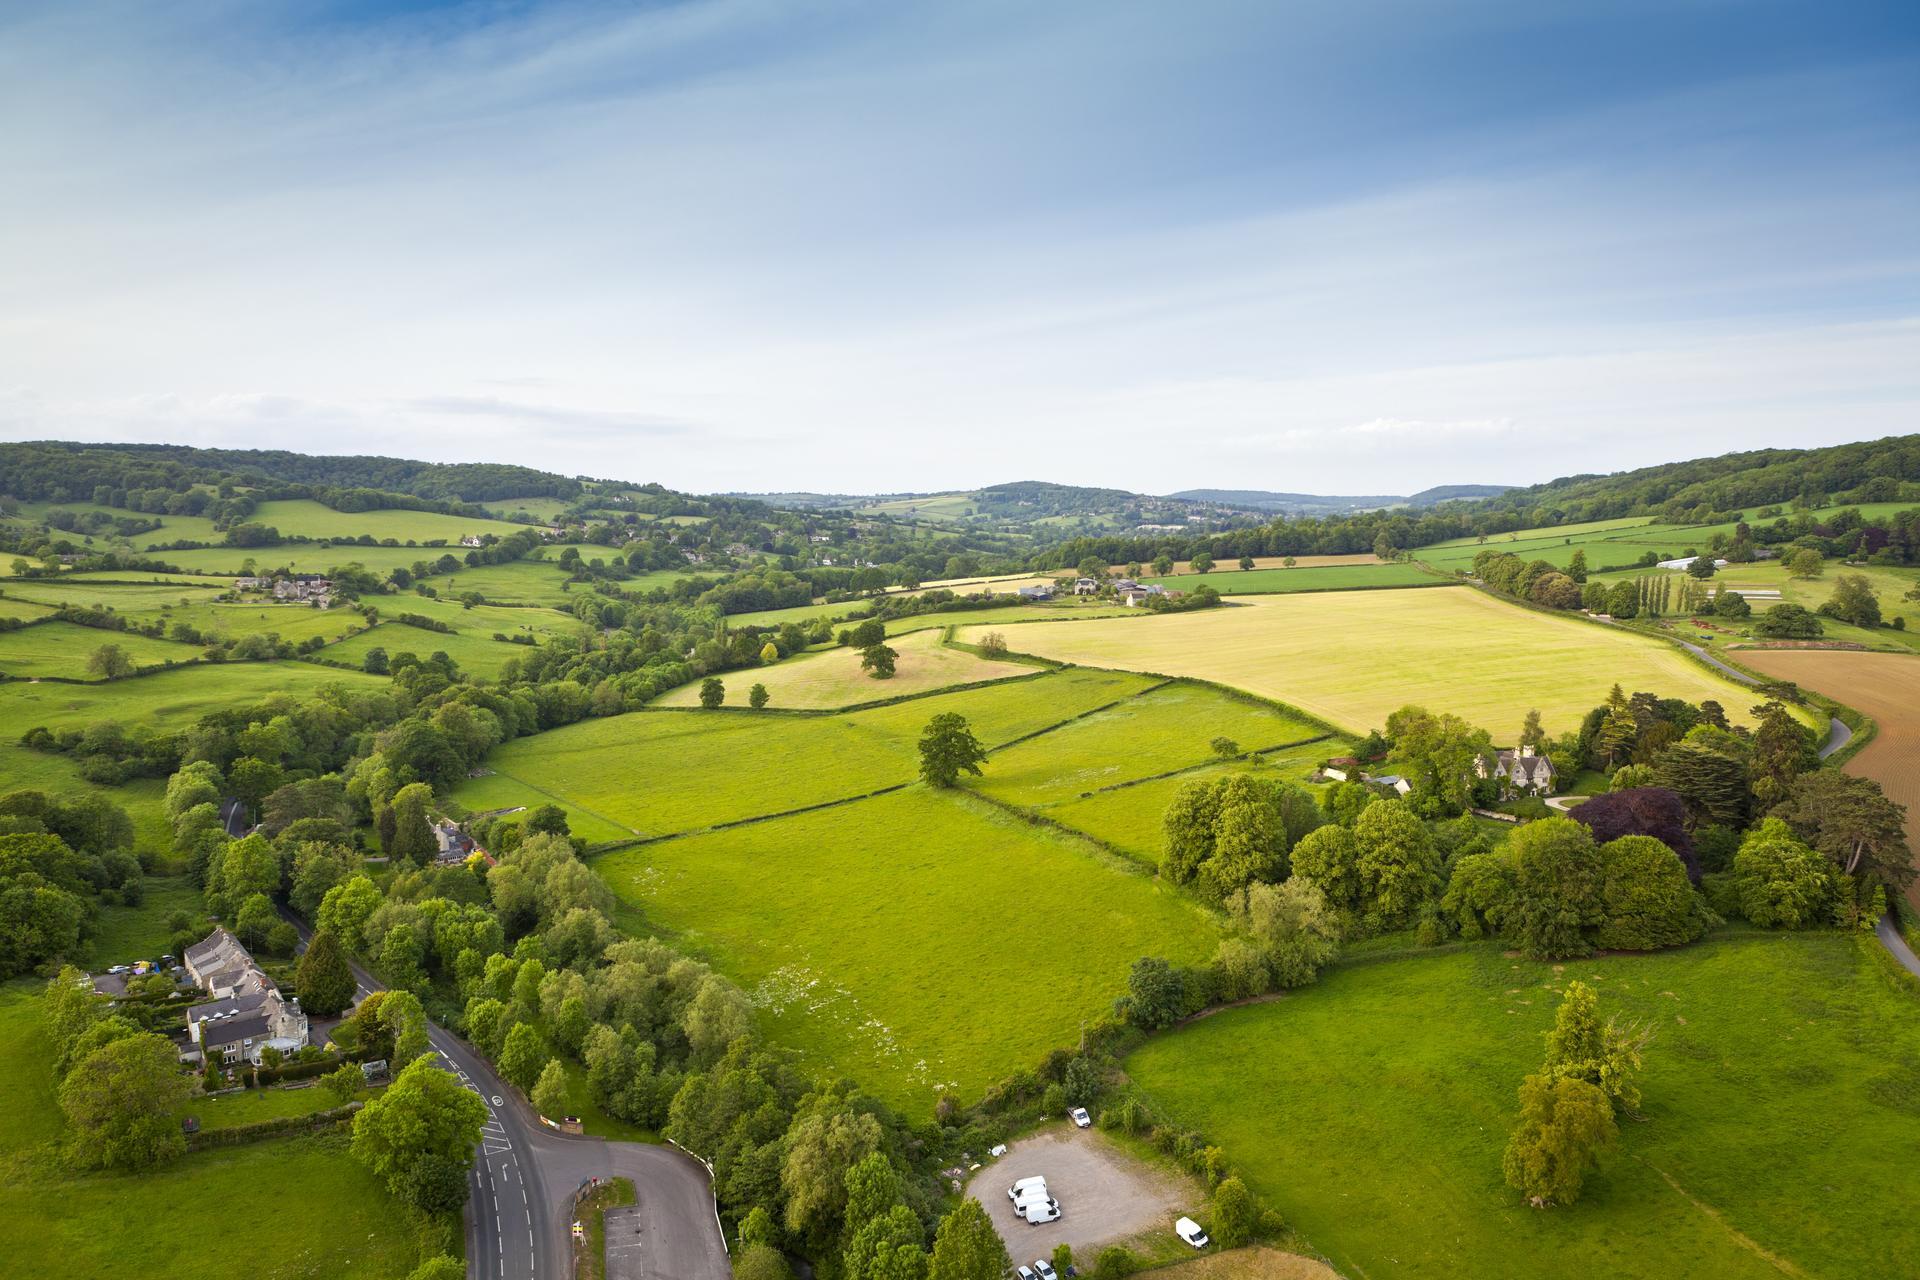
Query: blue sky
(754,244)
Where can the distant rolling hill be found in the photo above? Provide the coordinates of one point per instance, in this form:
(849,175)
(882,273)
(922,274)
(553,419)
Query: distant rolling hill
(1319,503)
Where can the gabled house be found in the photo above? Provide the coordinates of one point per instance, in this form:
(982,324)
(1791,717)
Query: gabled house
(1522,771)
(1085,587)
(247,1014)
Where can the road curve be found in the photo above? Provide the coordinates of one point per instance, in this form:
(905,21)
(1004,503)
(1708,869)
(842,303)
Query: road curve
(1890,939)
(520,1192)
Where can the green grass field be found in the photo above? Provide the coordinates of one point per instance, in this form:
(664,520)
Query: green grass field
(1372,1110)
(306,557)
(291,622)
(323,1215)
(1352,658)
(25,770)
(834,677)
(538,508)
(520,582)
(25,610)
(62,649)
(166,699)
(659,772)
(125,934)
(1171,727)
(475,654)
(1359,577)
(917,941)
(304,518)
(127,598)
(1129,817)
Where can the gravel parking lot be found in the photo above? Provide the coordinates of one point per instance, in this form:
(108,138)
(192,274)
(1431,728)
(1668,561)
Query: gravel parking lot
(1105,1194)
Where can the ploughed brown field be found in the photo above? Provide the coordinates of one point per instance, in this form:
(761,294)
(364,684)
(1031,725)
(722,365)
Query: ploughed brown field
(1885,686)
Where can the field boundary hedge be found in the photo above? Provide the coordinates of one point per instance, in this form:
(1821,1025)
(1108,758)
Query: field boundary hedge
(261,1130)
(613,846)
(1050,668)
(1127,863)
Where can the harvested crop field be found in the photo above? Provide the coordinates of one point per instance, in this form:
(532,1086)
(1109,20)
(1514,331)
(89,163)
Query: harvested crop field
(820,681)
(1352,658)
(1884,685)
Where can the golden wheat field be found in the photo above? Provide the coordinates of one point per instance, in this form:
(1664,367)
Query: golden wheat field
(1352,657)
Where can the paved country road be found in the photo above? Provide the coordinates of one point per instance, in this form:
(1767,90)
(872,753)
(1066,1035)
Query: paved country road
(520,1193)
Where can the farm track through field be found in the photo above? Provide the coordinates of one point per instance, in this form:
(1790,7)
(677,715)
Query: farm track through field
(1885,686)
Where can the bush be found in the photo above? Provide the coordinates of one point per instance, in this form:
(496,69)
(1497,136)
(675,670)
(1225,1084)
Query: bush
(1115,1260)
(1645,897)
(1235,1215)
(1054,1101)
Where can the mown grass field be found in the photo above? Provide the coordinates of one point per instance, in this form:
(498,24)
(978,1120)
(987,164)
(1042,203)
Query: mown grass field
(918,941)
(307,557)
(1256,581)
(834,677)
(167,699)
(291,622)
(294,1208)
(1352,658)
(1168,728)
(659,772)
(63,648)
(1372,1109)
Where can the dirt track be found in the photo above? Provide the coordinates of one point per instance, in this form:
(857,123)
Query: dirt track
(1885,686)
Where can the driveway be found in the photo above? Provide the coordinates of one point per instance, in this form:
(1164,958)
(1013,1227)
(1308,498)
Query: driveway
(1105,1194)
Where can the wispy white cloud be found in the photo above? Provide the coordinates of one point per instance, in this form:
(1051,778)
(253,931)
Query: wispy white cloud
(1337,247)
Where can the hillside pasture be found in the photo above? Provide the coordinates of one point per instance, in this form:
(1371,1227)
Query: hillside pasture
(305,518)
(1184,568)
(1351,658)
(1171,727)
(62,649)
(115,597)
(476,655)
(517,582)
(167,699)
(834,677)
(918,941)
(24,610)
(305,557)
(1357,577)
(1372,1108)
(658,772)
(233,620)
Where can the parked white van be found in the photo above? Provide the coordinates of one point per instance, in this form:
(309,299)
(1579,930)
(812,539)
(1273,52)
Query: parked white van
(1013,1192)
(1041,1211)
(1189,1230)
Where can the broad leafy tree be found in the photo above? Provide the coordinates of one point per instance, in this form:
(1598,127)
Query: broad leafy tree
(966,1247)
(948,748)
(121,1098)
(425,1116)
(878,661)
(1564,1126)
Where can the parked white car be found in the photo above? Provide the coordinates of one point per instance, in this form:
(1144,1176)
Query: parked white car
(1043,1270)
(1024,1273)
(1189,1230)
(1013,1192)
(1080,1117)
(1037,1212)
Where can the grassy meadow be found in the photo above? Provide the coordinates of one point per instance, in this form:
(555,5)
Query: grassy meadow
(305,518)
(519,582)
(1372,1109)
(475,654)
(62,649)
(659,772)
(918,941)
(1351,658)
(131,598)
(1168,728)
(834,677)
